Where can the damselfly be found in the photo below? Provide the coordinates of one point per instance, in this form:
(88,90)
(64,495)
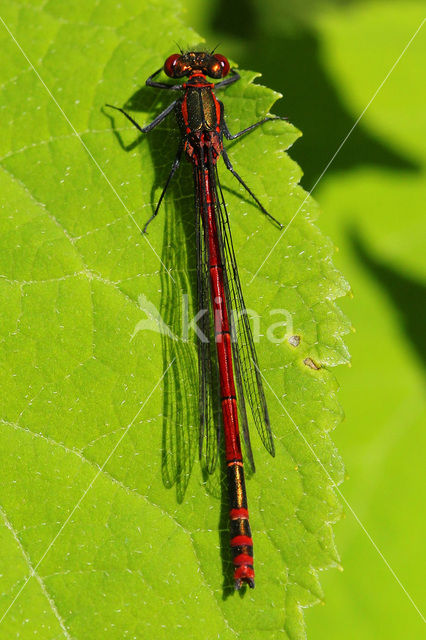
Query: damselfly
(232,366)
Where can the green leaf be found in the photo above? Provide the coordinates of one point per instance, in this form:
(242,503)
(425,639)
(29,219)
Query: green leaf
(109,526)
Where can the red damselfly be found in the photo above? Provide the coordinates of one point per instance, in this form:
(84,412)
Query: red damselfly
(232,365)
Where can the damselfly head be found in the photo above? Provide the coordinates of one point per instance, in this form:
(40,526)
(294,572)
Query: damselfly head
(196,63)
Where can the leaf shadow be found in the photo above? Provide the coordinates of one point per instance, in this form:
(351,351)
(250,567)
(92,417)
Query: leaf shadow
(406,294)
(178,282)
(292,63)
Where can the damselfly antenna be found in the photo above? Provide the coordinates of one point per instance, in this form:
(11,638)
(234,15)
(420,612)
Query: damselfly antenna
(178,46)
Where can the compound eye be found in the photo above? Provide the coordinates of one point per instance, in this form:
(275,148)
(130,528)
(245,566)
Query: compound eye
(172,67)
(223,64)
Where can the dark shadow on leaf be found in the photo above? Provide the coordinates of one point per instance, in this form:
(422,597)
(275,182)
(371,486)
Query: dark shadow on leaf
(180,397)
(180,400)
(108,112)
(291,63)
(407,295)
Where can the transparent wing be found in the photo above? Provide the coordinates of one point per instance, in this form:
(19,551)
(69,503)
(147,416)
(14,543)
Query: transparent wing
(208,374)
(246,366)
